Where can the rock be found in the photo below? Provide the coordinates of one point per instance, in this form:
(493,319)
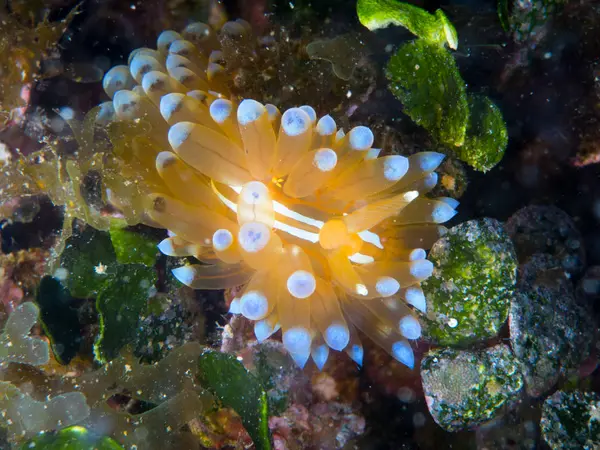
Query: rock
(588,288)
(464,389)
(517,430)
(571,420)
(550,333)
(547,229)
(472,283)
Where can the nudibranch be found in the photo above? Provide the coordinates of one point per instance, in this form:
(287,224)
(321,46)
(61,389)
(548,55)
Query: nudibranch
(327,236)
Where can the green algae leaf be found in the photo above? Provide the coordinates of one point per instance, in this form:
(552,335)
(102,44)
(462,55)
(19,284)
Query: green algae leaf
(89,259)
(426,79)
(487,136)
(72,438)
(120,303)
(435,29)
(503,14)
(226,377)
(132,247)
(59,320)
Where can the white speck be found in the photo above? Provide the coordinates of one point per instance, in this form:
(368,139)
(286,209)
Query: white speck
(61,274)
(452,323)
(100,269)
(348,94)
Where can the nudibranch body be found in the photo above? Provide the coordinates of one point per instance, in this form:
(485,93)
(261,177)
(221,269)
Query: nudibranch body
(326,235)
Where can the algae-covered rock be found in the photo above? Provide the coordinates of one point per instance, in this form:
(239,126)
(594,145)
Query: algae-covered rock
(472,284)
(550,332)
(571,420)
(465,389)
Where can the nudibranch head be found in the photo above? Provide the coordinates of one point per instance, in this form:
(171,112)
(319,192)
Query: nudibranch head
(326,235)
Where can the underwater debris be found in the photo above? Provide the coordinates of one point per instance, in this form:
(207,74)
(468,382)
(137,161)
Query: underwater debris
(15,343)
(464,389)
(570,420)
(468,295)
(247,189)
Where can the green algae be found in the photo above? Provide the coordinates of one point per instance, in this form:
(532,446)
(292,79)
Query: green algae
(59,319)
(474,276)
(226,377)
(132,247)
(465,389)
(425,77)
(486,137)
(120,303)
(433,28)
(72,438)
(89,260)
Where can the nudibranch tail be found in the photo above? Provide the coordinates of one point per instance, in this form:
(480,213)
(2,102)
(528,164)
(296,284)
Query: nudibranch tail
(327,236)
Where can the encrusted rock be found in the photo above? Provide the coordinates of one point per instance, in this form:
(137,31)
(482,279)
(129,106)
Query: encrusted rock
(518,426)
(588,288)
(465,389)
(472,283)
(551,334)
(547,229)
(571,420)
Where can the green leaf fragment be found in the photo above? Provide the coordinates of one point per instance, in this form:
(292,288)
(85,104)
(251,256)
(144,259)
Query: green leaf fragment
(425,78)
(487,136)
(89,259)
(132,247)
(120,304)
(435,29)
(236,388)
(72,438)
(59,319)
